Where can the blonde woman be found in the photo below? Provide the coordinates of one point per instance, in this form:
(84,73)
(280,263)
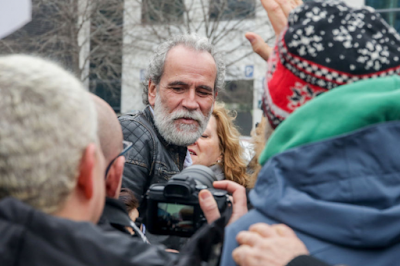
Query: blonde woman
(219,148)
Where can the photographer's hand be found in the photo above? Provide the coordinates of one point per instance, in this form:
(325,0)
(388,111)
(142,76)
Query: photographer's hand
(210,208)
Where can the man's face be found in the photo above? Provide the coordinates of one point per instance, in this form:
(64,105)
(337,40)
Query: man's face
(184,98)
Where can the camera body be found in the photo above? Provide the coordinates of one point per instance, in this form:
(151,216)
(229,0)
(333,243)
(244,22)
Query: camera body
(173,208)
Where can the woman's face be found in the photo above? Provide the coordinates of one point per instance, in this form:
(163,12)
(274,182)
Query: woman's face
(205,150)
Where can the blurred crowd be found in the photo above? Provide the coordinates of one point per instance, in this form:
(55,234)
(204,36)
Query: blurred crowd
(76,181)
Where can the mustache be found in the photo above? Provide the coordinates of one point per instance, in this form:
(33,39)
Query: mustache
(195,115)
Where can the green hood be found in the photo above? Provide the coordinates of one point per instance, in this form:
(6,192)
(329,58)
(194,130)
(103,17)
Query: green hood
(342,110)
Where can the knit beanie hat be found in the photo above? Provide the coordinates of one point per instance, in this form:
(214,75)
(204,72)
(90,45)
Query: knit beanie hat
(327,44)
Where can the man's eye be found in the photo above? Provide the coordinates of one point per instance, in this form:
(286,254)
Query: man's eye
(177,89)
(204,136)
(204,93)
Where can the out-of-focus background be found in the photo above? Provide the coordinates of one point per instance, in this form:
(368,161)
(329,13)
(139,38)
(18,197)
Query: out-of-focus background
(108,43)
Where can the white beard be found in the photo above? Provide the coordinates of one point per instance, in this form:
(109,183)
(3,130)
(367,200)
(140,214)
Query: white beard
(179,134)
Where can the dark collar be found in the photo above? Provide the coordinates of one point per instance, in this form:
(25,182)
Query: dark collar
(115,212)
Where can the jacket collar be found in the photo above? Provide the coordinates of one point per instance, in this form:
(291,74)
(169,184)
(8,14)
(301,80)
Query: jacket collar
(115,212)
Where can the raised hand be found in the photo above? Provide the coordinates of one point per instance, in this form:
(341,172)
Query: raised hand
(278,12)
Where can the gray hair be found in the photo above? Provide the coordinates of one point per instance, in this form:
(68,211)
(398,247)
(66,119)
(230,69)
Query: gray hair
(47,119)
(155,69)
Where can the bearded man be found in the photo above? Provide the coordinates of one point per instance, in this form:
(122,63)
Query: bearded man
(184,77)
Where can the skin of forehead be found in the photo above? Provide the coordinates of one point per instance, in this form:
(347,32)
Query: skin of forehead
(181,50)
(109,129)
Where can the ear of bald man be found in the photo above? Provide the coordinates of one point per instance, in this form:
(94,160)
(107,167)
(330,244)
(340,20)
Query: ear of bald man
(114,178)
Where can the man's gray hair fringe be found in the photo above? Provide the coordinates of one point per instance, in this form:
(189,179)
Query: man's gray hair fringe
(156,67)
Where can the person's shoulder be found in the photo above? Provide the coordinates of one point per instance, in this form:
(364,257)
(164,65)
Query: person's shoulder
(134,116)
(137,124)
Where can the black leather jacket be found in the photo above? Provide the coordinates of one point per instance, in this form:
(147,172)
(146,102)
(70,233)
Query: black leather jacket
(151,159)
(30,237)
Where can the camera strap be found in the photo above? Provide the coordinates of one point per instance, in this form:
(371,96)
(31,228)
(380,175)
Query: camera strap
(138,232)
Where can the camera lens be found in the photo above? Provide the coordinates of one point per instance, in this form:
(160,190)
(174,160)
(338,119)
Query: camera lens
(201,174)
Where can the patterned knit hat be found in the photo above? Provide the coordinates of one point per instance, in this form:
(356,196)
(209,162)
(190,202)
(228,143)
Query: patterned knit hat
(327,44)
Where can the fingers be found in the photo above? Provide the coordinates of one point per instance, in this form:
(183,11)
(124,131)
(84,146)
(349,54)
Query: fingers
(286,6)
(296,3)
(248,238)
(239,197)
(276,15)
(258,45)
(264,230)
(283,230)
(267,230)
(244,255)
(229,186)
(209,206)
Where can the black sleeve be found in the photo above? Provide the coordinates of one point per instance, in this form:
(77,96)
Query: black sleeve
(306,260)
(138,164)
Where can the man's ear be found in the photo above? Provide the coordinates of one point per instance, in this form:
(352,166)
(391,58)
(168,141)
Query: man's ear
(215,96)
(85,181)
(152,93)
(114,178)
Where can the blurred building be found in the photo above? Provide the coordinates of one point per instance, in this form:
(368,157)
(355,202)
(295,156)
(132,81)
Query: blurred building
(114,43)
(149,22)
(245,77)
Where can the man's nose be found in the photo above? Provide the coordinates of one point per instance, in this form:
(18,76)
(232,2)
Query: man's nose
(190,101)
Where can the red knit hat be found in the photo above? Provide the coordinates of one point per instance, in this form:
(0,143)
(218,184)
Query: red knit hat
(327,44)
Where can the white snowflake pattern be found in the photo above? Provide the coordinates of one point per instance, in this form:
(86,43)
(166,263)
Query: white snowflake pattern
(374,56)
(368,9)
(378,35)
(342,8)
(343,36)
(330,19)
(394,33)
(307,42)
(315,14)
(353,20)
(294,15)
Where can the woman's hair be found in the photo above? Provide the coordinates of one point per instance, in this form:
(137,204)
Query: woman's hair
(128,198)
(260,136)
(233,162)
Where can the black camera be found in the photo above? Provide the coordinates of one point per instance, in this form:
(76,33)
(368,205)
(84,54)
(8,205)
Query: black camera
(173,208)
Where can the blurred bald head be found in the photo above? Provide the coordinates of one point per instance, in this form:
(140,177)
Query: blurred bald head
(110,137)
(109,129)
